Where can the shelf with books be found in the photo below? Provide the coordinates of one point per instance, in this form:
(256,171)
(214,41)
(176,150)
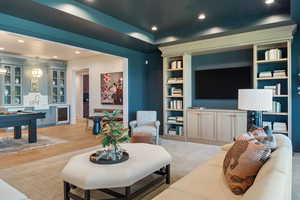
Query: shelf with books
(272,70)
(177,94)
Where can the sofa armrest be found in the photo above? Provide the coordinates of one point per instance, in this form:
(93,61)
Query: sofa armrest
(133,124)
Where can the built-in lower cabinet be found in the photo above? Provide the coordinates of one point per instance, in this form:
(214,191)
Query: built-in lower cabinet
(219,126)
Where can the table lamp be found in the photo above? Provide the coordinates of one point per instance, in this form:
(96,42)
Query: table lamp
(257,100)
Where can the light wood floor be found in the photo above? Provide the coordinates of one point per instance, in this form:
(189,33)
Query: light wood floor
(77,135)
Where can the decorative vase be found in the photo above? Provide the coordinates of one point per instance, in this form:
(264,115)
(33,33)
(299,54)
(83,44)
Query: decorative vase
(97,125)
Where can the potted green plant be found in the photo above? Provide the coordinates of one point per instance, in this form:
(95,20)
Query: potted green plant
(113,133)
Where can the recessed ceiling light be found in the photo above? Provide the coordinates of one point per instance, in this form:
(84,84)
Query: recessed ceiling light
(77,52)
(21,41)
(90,1)
(2,48)
(55,57)
(154,28)
(202,16)
(269,1)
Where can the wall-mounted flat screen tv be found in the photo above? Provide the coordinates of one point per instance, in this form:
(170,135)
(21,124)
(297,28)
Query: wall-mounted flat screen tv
(222,83)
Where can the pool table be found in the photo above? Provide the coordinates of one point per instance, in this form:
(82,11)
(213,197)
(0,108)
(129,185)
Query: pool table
(19,119)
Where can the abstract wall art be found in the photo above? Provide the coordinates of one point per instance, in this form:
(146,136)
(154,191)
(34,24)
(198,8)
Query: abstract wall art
(112,88)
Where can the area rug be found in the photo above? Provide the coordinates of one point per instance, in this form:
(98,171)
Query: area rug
(9,145)
(41,180)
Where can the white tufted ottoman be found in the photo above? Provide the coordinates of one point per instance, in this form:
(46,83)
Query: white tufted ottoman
(144,160)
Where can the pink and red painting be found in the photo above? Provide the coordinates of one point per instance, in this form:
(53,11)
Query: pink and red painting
(112,88)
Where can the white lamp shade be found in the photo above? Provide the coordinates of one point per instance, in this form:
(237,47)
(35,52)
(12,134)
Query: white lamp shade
(255,99)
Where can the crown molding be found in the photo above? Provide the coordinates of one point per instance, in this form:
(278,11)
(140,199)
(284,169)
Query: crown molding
(231,41)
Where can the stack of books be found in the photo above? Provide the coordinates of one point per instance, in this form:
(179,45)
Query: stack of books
(267,74)
(176,104)
(276,126)
(176,131)
(172,131)
(177,64)
(172,119)
(279,126)
(176,92)
(179,119)
(175,80)
(276,88)
(273,54)
(268,124)
(276,106)
(279,73)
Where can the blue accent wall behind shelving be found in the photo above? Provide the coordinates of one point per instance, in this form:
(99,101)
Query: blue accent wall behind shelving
(295,14)
(228,59)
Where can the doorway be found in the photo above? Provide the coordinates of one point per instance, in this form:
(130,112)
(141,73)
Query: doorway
(86,95)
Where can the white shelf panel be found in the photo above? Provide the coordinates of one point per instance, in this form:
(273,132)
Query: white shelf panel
(174,96)
(174,70)
(175,123)
(177,83)
(285,131)
(281,96)
(179,110)
(272,78)
(272,61)
(275,113)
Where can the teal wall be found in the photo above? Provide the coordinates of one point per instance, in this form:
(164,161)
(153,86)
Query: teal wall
(295,14)
(154,92)
(228,59)
(136,60)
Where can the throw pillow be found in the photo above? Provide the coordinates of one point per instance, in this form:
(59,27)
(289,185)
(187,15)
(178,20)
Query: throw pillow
(242,163)
(265,136)
(226,147)
(270,141)
(258,132)
(246,136)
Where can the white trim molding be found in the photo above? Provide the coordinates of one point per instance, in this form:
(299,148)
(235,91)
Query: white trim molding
(231,41)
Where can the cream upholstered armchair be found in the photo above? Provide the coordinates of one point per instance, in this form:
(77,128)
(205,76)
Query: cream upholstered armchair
(146,122)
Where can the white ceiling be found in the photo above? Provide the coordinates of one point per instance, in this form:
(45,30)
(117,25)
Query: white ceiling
(33,47)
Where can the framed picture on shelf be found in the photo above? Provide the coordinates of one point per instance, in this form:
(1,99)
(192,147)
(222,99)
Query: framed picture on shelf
(112,88)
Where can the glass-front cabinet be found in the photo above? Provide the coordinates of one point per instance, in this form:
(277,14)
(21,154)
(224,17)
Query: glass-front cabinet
(57,86)
(12,85)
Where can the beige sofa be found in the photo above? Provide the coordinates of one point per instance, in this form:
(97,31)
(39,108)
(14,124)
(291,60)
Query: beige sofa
(206,182)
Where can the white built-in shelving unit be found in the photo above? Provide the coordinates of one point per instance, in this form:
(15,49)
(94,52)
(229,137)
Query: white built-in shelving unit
(261,64)
(260,40)
(182,71)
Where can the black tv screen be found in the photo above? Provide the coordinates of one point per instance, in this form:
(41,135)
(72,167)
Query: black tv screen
(222,83)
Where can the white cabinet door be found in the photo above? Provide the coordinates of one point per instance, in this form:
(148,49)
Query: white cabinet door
(240,124)
(206,122)
(192,125)
(225,123)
